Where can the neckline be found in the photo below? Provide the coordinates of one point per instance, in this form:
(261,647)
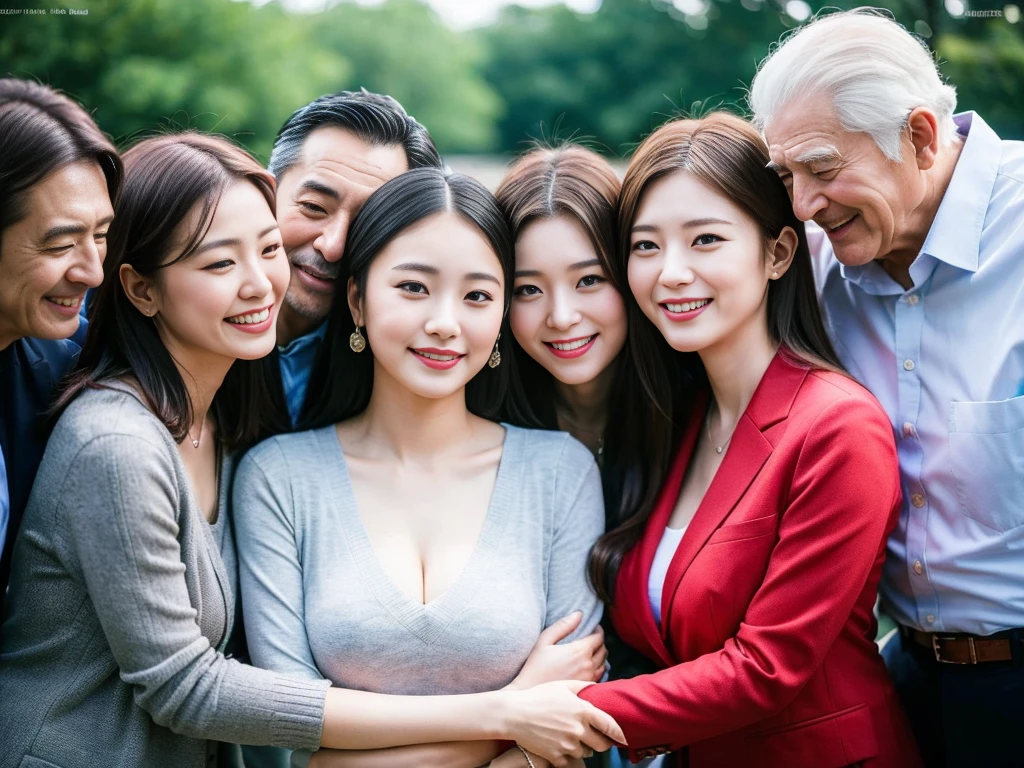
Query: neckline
(427,620)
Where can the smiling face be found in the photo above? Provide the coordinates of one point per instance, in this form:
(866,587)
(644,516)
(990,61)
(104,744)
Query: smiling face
(697,265)
(432,307)
(844,183)
(565,312)
(221,301)
(317,199)
(54,254)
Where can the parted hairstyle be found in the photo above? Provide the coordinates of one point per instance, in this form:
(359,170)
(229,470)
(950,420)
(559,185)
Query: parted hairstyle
(373,117)
(342,380)
(577,182)
(42,131)
(167,179)
(729,155)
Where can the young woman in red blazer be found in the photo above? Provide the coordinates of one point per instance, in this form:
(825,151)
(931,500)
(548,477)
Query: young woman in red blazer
(750,581)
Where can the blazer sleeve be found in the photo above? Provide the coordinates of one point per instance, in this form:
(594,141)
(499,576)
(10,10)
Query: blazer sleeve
(841,506)
(578,522)
(270,570)
(123,532)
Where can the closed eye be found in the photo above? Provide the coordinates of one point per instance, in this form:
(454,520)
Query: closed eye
(708,239)
(312,207)
(526,291)
(589,281)
(222,264)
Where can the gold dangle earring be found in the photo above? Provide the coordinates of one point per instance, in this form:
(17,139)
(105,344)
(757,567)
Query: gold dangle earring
(495,360)
(356,341)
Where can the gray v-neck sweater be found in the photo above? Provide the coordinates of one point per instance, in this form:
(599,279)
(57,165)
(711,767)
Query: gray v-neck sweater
(121,601)
(318,602)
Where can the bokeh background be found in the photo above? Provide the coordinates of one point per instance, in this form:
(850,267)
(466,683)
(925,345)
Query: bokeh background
(485,76)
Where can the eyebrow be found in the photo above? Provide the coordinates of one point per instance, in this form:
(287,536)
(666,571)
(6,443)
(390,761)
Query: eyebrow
(429,270)
(322,189)
(815,155)
(578,265)
(686,225)
(231,240)
(73,229)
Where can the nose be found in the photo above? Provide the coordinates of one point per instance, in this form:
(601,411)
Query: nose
(330,244)
(563,313)
(808,200)
(88,267)
(675,269)
(443,322)
(257,283)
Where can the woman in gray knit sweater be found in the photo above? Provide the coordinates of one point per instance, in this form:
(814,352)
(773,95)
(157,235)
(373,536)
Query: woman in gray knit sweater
(113,648)
(408,543)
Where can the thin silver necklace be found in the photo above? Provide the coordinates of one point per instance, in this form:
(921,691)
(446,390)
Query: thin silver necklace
(723,446)
(195,440)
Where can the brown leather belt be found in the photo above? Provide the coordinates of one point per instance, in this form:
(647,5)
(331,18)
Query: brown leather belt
(963,649)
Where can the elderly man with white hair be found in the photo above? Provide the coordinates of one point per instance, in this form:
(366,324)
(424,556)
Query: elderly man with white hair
(920,220)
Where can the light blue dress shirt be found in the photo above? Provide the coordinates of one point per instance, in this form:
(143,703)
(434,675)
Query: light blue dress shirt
(5,501)
(946,360)
(296,366)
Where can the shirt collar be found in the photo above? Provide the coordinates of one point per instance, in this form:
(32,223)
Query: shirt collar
(955,234)
(313,337)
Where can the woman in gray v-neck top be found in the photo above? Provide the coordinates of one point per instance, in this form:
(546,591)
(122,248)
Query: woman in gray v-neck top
(318,603)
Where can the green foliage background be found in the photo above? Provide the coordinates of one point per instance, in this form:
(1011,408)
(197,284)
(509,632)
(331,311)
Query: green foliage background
(612,76)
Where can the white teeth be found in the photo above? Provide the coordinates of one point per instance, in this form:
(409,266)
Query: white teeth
(257,317)
(67,302)
(841,224)
(432,356)
(686,306)
(570,346)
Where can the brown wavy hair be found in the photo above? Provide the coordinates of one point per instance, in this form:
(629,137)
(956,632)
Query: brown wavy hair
(729,155)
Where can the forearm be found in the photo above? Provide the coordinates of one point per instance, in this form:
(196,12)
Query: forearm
(467,754)
(357,720)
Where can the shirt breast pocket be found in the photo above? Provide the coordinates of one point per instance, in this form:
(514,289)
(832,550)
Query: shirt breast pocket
(986,445)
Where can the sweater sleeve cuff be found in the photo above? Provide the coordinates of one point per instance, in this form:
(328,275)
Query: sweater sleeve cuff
(297,708)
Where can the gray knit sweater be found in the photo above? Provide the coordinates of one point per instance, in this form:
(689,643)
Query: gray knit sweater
(318,602)
(119,601)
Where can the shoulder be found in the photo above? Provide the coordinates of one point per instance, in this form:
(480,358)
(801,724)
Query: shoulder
(547,450)
(44,361)
(114,414)
(284,457)
(835,413)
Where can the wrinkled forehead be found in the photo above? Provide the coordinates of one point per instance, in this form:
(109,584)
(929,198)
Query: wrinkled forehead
(338,153)
(804,132)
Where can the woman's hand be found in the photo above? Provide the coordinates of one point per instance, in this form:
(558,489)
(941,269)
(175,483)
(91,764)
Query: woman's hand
(552,721)
(582,659)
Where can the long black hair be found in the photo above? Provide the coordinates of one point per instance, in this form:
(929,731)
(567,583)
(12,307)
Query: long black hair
(166,179)
(342,380)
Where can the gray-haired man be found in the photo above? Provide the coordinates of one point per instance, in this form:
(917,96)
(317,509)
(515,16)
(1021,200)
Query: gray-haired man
(920,271)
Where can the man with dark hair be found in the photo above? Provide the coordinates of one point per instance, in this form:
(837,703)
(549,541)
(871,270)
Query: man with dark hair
(328,158)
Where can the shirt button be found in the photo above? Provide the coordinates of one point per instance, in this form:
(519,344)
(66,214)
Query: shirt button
(908,429)
(912,299)
(918,568)
(908,364)
(917,500)
(930,618)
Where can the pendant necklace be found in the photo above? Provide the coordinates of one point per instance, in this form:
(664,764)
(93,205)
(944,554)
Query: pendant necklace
(723,446)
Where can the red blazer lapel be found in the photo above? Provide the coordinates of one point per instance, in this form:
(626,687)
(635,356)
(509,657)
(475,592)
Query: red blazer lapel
(748,450)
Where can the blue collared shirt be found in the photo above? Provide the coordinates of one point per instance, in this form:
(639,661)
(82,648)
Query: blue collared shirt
(946,360)
(296,366)
(5,501)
